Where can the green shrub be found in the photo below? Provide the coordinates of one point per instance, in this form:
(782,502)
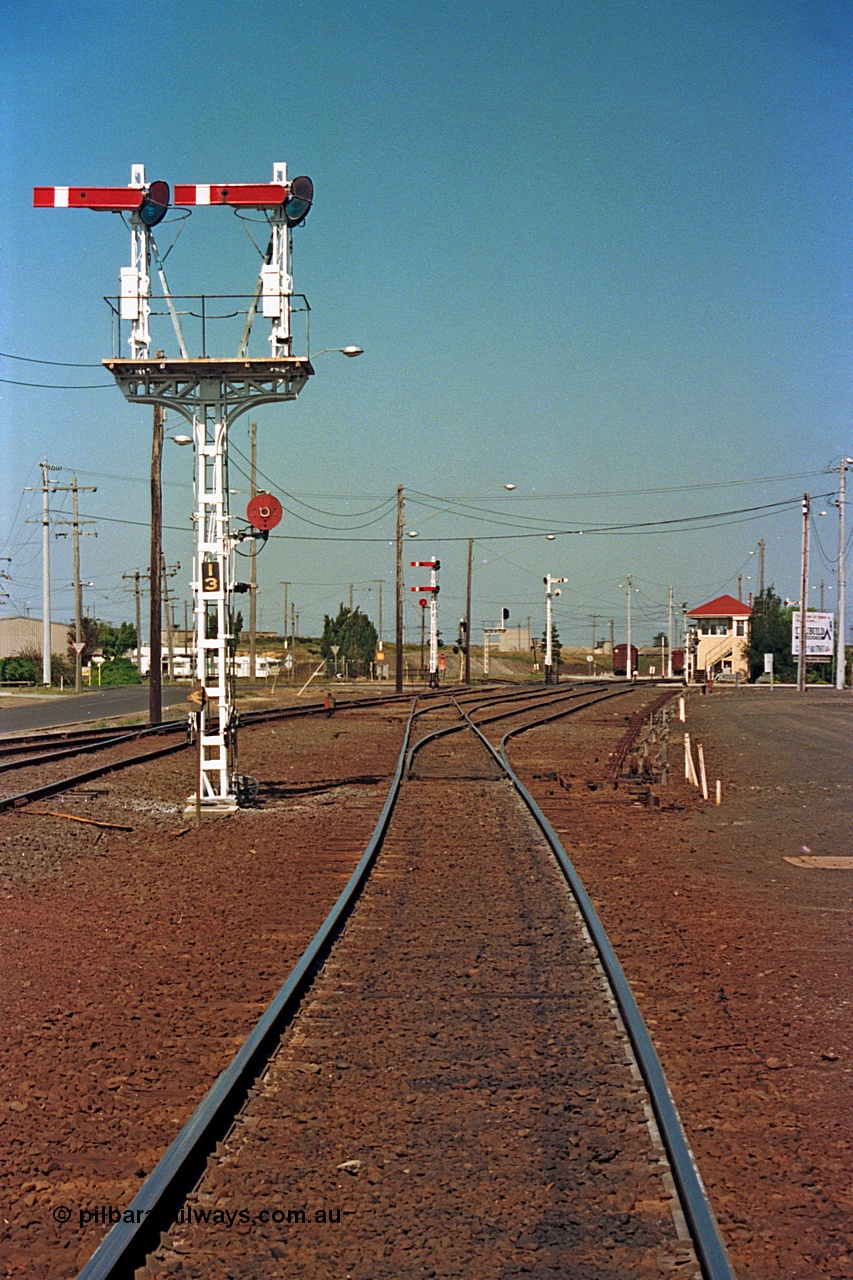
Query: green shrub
(119,671)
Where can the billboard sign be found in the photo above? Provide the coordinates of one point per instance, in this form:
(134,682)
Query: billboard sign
(820,635)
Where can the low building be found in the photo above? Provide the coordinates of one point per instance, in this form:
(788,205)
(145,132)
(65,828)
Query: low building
(720,636)
(513,639)
(18,634)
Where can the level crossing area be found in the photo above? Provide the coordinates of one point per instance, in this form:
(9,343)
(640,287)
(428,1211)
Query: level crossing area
(370,1024)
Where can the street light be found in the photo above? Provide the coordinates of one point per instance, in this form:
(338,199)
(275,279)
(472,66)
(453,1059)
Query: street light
(351,352)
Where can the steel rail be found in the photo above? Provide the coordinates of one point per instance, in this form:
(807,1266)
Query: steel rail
(153,1207)
(80,749)
(65,784)
(637,722)
(37,740)
(705,1232)
(166,726)
(173,726)
(575,705)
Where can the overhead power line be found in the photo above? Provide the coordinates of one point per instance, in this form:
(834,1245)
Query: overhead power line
(60,386)
(62,364)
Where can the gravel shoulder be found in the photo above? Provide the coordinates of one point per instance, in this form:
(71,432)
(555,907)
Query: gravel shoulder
(740,959)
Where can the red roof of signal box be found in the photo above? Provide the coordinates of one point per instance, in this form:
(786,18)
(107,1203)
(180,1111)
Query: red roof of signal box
(722,607)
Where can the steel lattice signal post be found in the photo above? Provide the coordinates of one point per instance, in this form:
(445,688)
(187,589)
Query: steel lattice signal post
(431,592)
(211,393)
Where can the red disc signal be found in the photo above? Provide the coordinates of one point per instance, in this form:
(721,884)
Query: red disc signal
(264,511)
(423,602)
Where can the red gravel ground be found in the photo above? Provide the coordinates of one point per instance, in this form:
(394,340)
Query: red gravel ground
(739,959)
(134,963)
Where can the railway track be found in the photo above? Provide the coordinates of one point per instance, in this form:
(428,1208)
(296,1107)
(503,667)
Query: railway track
(457,1086)
(45,756)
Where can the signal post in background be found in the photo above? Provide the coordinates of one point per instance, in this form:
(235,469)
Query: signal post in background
(429,599)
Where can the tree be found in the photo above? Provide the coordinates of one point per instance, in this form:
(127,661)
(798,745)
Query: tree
(90,634)
(556,647)
(661,640)
(770,632)
(116,641)
(355,636)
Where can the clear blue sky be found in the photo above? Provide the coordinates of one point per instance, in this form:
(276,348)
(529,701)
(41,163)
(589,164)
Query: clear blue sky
(599,250)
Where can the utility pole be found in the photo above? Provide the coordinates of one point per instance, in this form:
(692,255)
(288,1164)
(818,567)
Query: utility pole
(379,582)
(46,468)
(78,591)
(669,636)
(137,594)
(166,574)
(468,613)
(629,667)
(284,633)
(350,597)
(155,633)
(45,553)
(611,641)
(840,650)
(804,591)
(253,559)
(398,673)
(761,567)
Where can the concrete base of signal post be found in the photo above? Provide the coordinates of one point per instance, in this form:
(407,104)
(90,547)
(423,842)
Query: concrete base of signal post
(215,809)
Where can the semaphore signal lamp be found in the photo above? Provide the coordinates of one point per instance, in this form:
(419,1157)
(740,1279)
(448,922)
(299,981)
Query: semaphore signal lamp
(155,204)
(298,201)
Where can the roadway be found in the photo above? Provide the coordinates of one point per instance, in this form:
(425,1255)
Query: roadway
(21,713)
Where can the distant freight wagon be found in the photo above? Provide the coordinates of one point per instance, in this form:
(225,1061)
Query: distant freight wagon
(620,653)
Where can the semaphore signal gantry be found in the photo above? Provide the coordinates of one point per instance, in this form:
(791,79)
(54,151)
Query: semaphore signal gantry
(211,392)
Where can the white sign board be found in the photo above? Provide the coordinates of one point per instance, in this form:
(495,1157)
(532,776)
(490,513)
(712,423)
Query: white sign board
(820,635)
(768,663)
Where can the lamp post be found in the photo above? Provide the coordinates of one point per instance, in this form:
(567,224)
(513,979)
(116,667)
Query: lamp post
(351,352)
(629,660)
